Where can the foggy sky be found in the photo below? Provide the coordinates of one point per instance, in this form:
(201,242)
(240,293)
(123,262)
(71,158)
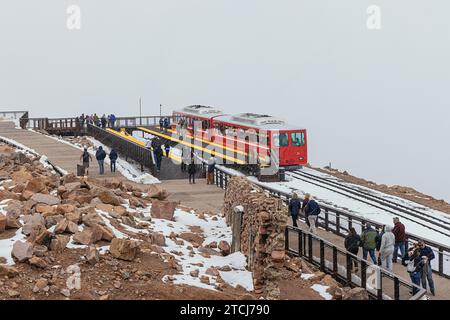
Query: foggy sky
(375,102)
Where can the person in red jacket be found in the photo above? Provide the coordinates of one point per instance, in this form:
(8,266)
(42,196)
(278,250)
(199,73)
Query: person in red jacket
(400,239)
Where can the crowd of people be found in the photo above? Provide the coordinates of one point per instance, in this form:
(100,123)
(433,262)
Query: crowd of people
(384,246)
(93,119)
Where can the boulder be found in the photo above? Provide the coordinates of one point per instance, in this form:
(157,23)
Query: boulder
(91,219)
(278,255)
(88,236)
(120,210)
(108,197)
(136,203)
(38,262)
(66,226)
(105,207)
(45,209)
(12,223)
(27,194)
(14,209)
(158,239)
(163,209)
(65,208)
(46,199)
(82,196)
(194,273)
(73,216)
(40,235)
(212,272)
(124,249)
(224,248)
(191,237)
(8,271)
(39,250)
(53,220)
(21,176)
(22,251)
(31,221)
(59,243)
(41,285)
(2,222)
(157,192)
(355,294)
(35,185)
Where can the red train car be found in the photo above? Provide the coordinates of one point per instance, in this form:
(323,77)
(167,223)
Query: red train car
(266,133)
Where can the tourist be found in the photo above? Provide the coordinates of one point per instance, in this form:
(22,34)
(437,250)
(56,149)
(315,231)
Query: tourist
(312,211)
(161,124)
(427,255)
(415,266)
(100,155)
(103,121)
(304,203)
(113,158)
(387,248)
(368,239)
(294,208)
(352,243)
(85,157)
(211,165)
(380,233)
(166,124)
(400,239)
(192,170)
(167,149)
(158,157)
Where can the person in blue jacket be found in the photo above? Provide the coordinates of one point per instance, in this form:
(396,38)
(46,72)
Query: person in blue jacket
(112,159)
(312,211)
(100,155)
(427,254)
(294,208)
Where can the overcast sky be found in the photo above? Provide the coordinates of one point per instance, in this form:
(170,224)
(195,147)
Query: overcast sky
(375,102)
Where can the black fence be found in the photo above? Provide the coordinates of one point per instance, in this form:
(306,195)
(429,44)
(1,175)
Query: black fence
(349,268)
(126,148)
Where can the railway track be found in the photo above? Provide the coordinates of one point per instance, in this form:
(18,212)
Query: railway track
(377,202)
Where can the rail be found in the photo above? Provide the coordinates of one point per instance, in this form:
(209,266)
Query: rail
(127,149)
(338,221)
(21,115)
(380,284)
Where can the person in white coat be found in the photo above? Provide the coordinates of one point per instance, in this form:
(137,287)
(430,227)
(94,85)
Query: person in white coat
(387,248)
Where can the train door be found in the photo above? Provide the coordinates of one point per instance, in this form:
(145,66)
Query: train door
(280,145)
(295,154)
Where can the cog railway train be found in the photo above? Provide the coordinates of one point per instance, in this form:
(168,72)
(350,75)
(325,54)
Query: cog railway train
(229,129)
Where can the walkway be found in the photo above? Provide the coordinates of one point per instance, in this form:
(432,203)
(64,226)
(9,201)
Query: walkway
(60,154)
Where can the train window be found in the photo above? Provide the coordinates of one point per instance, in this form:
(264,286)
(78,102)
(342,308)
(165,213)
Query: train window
(298,139)
(280,140)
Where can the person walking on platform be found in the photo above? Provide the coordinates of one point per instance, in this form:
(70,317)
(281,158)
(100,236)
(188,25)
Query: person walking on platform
(427,255)
(158,157)
(100,155)
(211,166)
(113,120)
(387,248)
(192,170)
(161,124)
(400,239)
(294,208)
(85,157)
(352,243)
(103,121)
(414,266)
(378,241)
(304,203)
(312,211)
(369,243)
(112,159)
(166,124)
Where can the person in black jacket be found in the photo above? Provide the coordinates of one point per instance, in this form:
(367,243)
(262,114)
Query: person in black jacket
(100,155)
(85,157)
(378,241)
(113,158)
(192,170)
(427,254)
(352,243)
(294,208)
(416,269)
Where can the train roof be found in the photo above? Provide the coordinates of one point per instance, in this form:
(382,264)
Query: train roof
(259,121)
(202,111)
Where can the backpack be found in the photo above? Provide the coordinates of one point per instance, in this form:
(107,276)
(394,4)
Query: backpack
(85,156)
(410,267)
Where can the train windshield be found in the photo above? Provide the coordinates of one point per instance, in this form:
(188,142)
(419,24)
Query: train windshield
(298,139)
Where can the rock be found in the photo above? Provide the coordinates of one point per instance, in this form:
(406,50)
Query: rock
(82,196)
(27,194)
(355,294)
(21,176)
(31,221)
(40,235)
(194,273)
(13,294)
(66,226)
(120,210)
(109,198)
(212,245)
(65,292)
(59,243)
(46,199)
(52,220)
(225,268)
(336,292)
(191,237)
(88,236)
(128,221)
(157,192)
(204,279)
(65,208)
(92,255)
(104,297)
(35,185)
(136,203)
(124,249)
(212,272)
(38,262)
(22,251)
(105,207)
(2,223)
(14,209)
(278,255)
(8,271)
(45,209)
(158,239)
(163,209)
(39,250)
(318,276)
(224,248)
(91,219)
(12,223)
(107,233)
(73,216)
(40,285)
(117,284)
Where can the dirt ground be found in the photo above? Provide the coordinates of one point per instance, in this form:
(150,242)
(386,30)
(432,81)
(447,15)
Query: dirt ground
(399,191)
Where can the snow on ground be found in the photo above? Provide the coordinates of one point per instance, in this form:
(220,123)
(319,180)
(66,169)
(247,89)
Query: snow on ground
(322,290)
